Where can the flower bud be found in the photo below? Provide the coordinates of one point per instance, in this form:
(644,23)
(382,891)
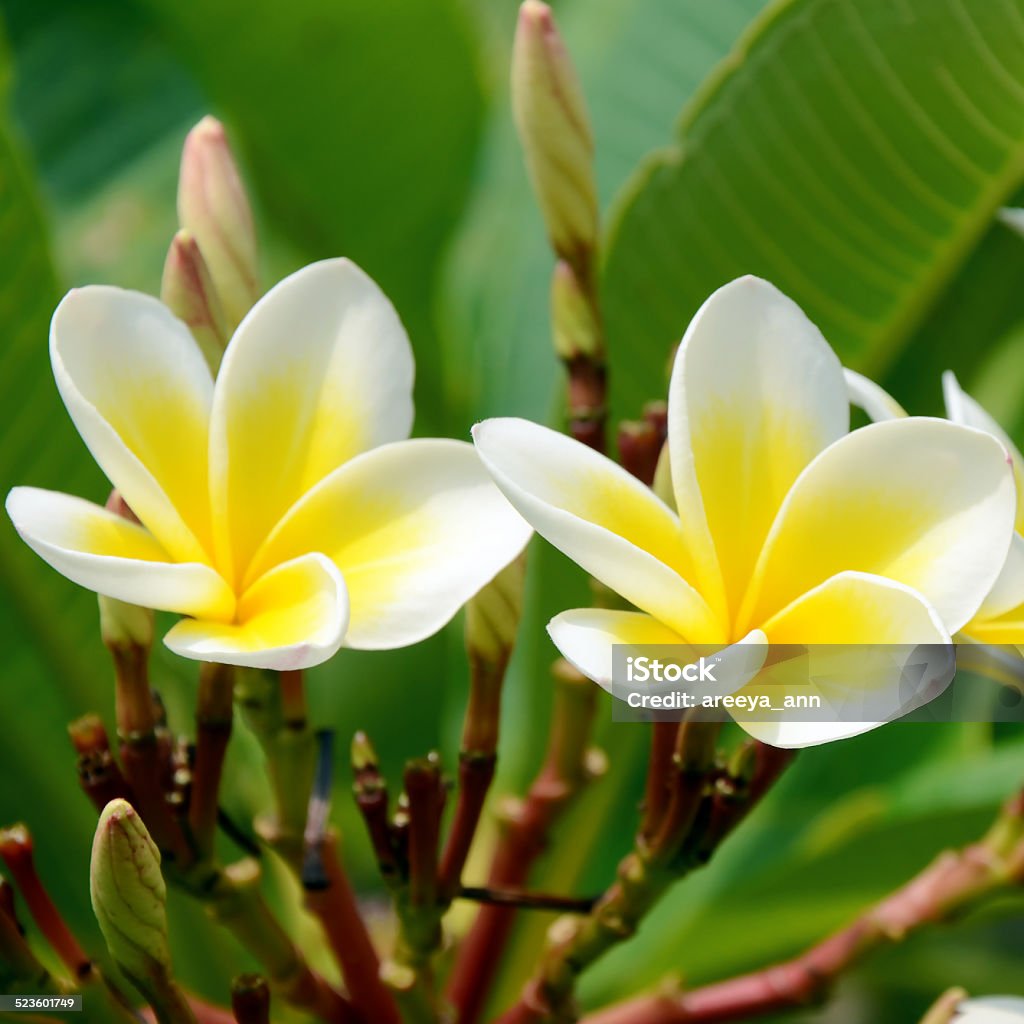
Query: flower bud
(214,207)
(128,893)
(574,321)
(188,292)
(492,617)
(551,116)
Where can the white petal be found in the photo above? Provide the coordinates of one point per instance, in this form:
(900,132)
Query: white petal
(112,556)
(756,393)
(963,409)
(292,617)
(921,501)
(861,634)
(416,527)
(602,517)
(1008,592)
(586,637)
(139,392)
(991,1010)
(874,400)
(319,371)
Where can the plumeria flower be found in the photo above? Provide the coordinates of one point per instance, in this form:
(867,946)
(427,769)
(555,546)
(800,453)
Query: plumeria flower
(1000,619)
(991,1010)
(787,527)
(282,508)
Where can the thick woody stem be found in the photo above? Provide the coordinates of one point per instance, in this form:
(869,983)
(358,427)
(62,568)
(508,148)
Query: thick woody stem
(527,827)
(477,758)
(954,883)
(336,909)
(701,812)
(492,620)
(143,756)
(213,731)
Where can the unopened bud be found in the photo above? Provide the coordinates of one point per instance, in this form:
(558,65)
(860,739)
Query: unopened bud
(188,291)
(128,893)
(551,116)
(574,320)
(364,757)
(492,616)
(214,207)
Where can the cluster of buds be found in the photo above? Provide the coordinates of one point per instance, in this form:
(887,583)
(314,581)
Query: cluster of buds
(211,276)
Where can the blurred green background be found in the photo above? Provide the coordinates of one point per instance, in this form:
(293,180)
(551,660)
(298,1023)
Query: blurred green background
(854,152)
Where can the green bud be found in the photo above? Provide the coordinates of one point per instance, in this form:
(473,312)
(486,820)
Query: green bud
(187,290)
(214,207)
(128,893)
(492,616)
(125,625)
(364,757)
(574,320)
(551,116)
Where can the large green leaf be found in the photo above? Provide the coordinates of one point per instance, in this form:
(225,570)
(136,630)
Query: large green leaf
(854,153)
(358,122)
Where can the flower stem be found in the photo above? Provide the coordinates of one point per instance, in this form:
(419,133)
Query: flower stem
(955,882)
(213,731)
(234,900)
(278,716)
(146,764)
(17,853)
(527,826)
(336,909)
(527,900)
(700,813)
(250,999)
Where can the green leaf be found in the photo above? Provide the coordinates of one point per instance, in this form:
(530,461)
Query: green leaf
(853,153)
(358,122)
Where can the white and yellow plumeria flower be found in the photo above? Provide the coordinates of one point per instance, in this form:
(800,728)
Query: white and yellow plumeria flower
(788,528)
(283,509)
(1000,619)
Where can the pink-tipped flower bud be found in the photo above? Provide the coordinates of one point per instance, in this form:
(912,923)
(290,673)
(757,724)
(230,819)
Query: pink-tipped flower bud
(551,116)
(214,207)
(189,293)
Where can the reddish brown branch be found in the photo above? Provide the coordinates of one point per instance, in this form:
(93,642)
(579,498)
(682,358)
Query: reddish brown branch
(527,826)
(213,731)
(17,854)
(250,999)
(336,909)
(704,808)
(951,885)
